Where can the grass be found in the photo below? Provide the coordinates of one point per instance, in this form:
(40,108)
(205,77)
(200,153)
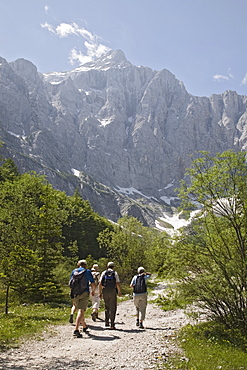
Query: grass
(209,346)
(206,346)
(25,320)
(172,300)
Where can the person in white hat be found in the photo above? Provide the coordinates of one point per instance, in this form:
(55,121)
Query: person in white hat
(109,288)
(139,285)
(96,297)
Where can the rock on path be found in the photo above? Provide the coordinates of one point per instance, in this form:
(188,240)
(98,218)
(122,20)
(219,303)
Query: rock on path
(127,347)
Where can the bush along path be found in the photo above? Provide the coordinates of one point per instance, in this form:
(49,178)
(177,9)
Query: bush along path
(127,347)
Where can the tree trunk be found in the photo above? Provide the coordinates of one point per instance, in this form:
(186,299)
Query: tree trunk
(7,301)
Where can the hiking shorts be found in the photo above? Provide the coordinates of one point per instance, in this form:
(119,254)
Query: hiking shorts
(140,301)
(81,301)
(95,301)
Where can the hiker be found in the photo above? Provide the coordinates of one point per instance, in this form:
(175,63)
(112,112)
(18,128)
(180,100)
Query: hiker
(79,284)
(73,308)
(96,297)
(139,285)
(110,287)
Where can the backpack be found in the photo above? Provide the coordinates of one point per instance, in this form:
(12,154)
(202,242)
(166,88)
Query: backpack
(140,285)
(109,280)
(96,275)
(78,283)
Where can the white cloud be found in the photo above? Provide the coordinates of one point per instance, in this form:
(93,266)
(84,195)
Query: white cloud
(77,56)
(65,29)
(48,26)
(46,8)
(224,77)
(220,77)
(244,80)
(94,49)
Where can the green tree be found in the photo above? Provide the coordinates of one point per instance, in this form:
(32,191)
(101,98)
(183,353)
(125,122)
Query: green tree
(31,219)
(8,170)
(82,227)
(210,255)
(131,245)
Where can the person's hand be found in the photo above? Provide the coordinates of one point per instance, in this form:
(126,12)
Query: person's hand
(120,294)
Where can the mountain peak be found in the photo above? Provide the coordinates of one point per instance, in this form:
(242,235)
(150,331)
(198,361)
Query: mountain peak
(112,59)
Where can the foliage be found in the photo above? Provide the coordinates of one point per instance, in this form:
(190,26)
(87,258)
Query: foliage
(210,255)
(39,228)
(43,233)
(8,170)
(172,300)
(31,233)
(210,346)
(82,227)
(131,245)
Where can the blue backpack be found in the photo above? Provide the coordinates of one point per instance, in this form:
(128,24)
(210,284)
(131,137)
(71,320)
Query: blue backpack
(109,280)
(78,283)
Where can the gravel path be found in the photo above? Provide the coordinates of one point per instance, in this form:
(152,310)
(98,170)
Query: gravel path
(127,347)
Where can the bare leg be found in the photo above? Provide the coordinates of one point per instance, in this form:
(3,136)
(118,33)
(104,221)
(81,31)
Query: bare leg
(73,309)
(80,319)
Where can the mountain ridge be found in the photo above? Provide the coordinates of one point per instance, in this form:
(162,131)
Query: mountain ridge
(124,126)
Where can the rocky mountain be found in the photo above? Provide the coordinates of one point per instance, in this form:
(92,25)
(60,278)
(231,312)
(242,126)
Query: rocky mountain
(122,134)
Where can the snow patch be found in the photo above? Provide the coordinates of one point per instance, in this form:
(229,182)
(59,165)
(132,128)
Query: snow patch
(131,191)
(55,82)
(13,134)
(75,172)
(105,122)
(175,221)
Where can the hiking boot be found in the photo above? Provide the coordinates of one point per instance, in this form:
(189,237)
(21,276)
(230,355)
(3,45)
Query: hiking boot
(137,322)
(113,327)
(107,324)
(93,314)
(77,334)
(71,319)
(141,325)
(85,329)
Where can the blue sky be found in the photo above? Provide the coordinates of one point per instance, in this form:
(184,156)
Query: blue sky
(202,42)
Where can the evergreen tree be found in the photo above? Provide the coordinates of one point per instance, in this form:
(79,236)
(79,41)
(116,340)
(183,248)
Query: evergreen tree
(83,227)
(30,233)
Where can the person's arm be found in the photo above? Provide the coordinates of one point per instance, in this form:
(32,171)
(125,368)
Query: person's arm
(100,284)
(119,289)
(147,276)
(118,284)
(91,281)
(93,286)
(132,283)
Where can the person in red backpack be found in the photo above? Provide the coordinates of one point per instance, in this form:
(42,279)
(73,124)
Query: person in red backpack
(139,285)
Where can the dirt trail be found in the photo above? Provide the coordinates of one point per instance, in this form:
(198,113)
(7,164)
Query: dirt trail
(127,347)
